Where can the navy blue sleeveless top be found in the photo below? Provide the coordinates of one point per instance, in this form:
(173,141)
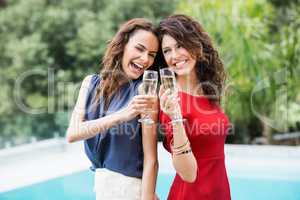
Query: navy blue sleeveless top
(119,148)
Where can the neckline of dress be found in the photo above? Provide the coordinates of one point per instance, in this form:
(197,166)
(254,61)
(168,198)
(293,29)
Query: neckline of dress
(196,96)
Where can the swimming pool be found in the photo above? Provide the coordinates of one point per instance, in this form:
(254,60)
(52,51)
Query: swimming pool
(79,186)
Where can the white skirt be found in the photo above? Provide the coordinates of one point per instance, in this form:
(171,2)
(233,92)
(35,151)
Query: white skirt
(110,185)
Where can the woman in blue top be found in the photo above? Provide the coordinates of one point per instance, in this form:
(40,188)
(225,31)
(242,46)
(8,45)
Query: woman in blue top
(123,152)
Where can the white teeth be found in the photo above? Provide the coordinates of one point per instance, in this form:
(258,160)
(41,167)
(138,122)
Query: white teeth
(139,65)
(180,63)
(136,67)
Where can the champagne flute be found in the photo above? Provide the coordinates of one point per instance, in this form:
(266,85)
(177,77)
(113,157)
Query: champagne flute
(149,87)
(168,81)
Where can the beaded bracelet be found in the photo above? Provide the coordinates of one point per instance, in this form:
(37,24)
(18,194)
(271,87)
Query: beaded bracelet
(183,152)
(182,149)
(179,147)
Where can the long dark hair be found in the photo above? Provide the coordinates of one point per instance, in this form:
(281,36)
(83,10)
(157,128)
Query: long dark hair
(189,34)
(112,74)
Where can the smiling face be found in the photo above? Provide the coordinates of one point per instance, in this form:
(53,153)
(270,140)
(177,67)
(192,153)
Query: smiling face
(177,57)
(139,53)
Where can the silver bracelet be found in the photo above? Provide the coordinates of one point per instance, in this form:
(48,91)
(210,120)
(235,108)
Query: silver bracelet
(176,120)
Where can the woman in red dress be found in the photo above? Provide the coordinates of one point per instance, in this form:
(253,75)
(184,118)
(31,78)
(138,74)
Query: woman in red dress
(195,125)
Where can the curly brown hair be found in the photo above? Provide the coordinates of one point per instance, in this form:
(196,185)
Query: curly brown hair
(112,74)
(189,34)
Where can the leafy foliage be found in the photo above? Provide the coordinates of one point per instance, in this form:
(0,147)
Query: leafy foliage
(47,47)
(260,48)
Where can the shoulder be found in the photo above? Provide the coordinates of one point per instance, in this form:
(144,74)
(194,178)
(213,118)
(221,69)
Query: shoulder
(89,83)
(86,81)
(90,79)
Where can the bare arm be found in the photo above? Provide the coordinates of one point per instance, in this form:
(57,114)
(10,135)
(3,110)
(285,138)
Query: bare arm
(79,129)
(184,164)
(149,132)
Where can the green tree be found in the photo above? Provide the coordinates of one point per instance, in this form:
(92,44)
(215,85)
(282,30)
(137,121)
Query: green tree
(258,70)
(55,44)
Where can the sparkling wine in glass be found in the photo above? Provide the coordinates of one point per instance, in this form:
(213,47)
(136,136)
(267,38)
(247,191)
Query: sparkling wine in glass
(168,79)
(149,87)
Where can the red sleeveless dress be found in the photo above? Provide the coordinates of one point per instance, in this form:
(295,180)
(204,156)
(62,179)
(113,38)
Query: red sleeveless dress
(206,127)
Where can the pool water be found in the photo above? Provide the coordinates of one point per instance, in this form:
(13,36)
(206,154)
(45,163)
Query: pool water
(79,186)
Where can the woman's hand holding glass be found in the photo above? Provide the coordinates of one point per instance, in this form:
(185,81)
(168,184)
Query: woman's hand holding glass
(169,103)
(136,107)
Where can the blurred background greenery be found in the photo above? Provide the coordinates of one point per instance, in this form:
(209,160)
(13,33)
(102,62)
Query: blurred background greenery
(53,44)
